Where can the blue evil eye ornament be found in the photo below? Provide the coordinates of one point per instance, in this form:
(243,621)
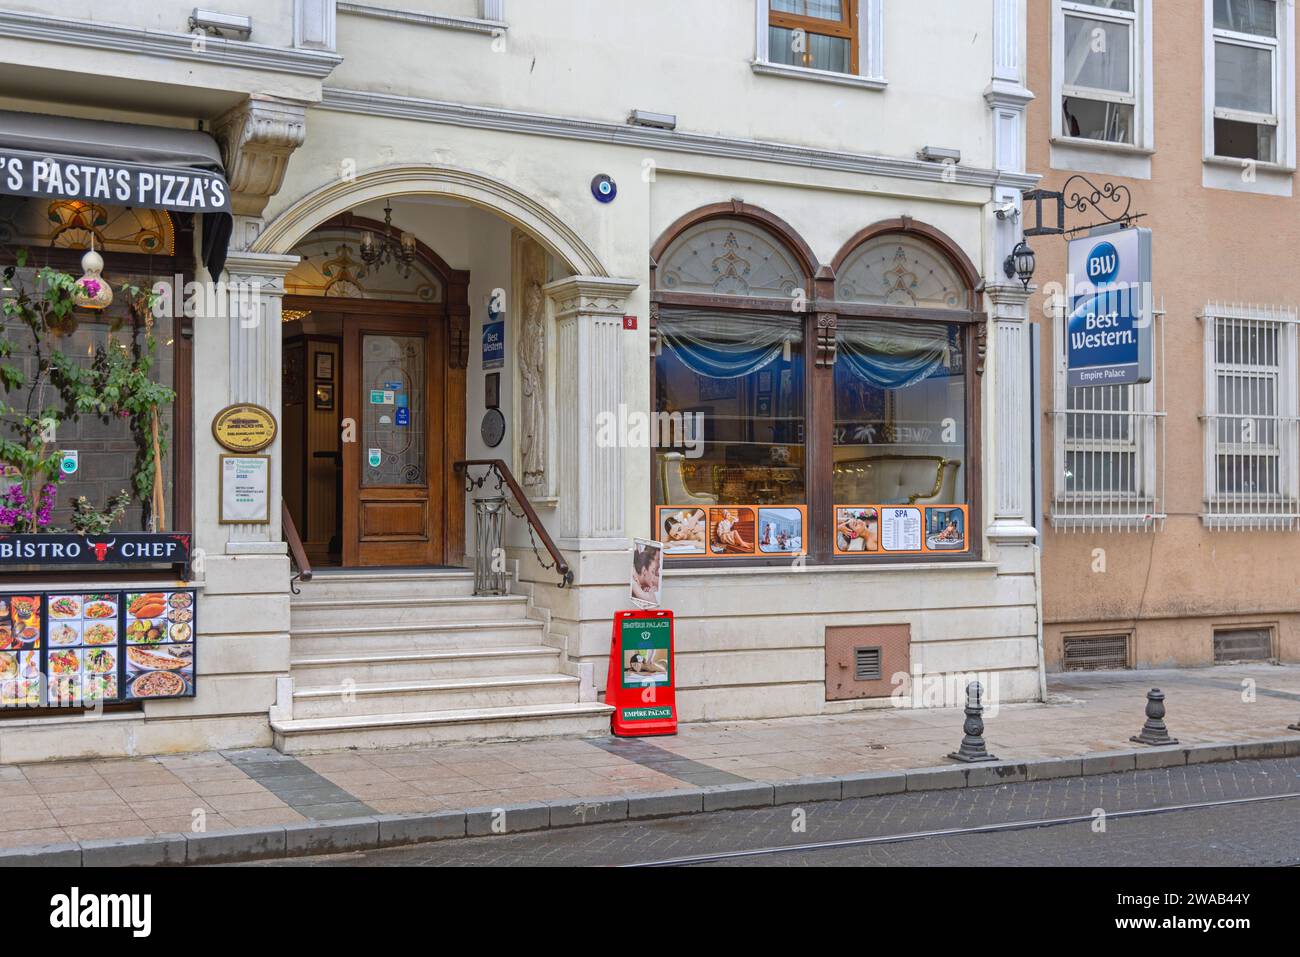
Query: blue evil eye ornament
(604,189)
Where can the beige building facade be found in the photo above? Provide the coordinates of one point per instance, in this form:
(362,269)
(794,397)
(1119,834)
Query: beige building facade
(1170,536)
(787,224)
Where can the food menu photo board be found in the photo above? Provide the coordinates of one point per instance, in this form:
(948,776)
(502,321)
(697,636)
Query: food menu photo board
(20,651)
(901,529)
(88,648)
(159,646)
(732,531)
(82,658)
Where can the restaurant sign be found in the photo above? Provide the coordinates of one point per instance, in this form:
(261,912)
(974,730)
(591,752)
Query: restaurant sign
(125,184)
(113,548)
(244,428)
(1108,330)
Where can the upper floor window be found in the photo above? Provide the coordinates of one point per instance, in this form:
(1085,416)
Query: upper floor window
(834,41)
(1252,419)
(816,34)
(1099,72)
(1247,62)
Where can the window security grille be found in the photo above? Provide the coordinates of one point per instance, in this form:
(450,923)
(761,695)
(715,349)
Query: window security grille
(1252,423)
(1096,653)
(1109,446)
(1243,644)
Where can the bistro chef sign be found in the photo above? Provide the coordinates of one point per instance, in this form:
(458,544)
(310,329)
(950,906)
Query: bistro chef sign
(52,177)
(123,548)
(1108,333)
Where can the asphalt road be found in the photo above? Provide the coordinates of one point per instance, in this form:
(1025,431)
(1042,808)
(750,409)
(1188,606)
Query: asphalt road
(1103,820)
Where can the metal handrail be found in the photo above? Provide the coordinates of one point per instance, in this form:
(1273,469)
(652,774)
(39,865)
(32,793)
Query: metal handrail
(529,514)
(296,551)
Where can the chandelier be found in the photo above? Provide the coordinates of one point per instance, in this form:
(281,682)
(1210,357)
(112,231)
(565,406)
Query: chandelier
(398,250)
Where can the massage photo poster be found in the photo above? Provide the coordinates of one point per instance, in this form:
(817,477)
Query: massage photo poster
(900,529)
(647,573)
(732,531)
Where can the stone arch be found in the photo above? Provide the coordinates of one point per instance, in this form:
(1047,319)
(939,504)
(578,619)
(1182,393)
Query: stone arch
(493,195)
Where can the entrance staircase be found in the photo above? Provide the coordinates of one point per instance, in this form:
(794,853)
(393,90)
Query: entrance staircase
(408,658)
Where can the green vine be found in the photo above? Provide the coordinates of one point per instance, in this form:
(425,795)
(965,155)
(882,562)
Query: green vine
(114,385)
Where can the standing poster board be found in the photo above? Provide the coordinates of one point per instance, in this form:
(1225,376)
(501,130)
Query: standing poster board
(642,674)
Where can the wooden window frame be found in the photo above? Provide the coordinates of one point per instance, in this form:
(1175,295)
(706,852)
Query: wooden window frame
(820,319)
(846,28)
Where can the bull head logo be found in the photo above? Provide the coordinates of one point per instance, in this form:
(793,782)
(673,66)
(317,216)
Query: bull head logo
(101,549)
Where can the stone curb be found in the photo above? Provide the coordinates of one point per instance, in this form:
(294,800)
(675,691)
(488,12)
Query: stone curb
(395,830)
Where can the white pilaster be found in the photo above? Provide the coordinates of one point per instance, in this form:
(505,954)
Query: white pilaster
(313,24)
(255,293)
(1007,99)
(1012,425)
(1010,368)
(588,314)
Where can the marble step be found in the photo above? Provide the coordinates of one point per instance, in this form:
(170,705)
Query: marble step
(380,665)
(390,583)
(412,729)
(305,613)
(495,691)
(444,636)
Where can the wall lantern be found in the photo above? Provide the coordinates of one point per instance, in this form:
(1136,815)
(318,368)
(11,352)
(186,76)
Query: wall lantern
(1020,264)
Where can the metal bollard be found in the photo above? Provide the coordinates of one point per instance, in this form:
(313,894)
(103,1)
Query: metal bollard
(489,520)
(1154,731)
(972,744)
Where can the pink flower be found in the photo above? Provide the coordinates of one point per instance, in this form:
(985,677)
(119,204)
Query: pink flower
(91,286)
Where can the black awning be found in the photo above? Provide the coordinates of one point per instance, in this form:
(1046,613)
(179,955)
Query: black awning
(124,164)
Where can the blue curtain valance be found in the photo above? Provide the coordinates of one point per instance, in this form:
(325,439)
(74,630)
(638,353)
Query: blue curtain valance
(893,355)
(727,346)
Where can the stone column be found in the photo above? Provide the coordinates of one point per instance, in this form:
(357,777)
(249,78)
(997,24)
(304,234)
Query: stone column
(588,314)
(1012,422)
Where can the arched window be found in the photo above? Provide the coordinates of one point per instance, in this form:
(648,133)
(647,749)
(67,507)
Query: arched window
(900,270)
(730,257)
(904,396)
(828,411)
(730,389)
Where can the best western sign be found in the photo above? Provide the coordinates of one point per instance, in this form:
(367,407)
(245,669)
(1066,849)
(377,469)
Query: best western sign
(1108,329)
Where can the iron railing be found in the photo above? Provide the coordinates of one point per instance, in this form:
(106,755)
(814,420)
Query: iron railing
(505,481)
(297,553)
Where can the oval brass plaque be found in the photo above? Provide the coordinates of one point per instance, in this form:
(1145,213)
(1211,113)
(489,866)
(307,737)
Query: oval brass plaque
(244,428)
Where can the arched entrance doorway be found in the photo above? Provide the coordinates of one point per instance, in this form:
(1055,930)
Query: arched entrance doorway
(373,397)
(500,221)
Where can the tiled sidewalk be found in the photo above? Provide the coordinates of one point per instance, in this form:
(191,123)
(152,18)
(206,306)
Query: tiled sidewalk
(140,797)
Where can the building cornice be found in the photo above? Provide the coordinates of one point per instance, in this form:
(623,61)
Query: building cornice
(216,51)
(618,134)
(419,19)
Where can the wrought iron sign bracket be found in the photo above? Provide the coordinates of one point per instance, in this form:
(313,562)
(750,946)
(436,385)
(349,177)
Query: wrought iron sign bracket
(1112,202)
